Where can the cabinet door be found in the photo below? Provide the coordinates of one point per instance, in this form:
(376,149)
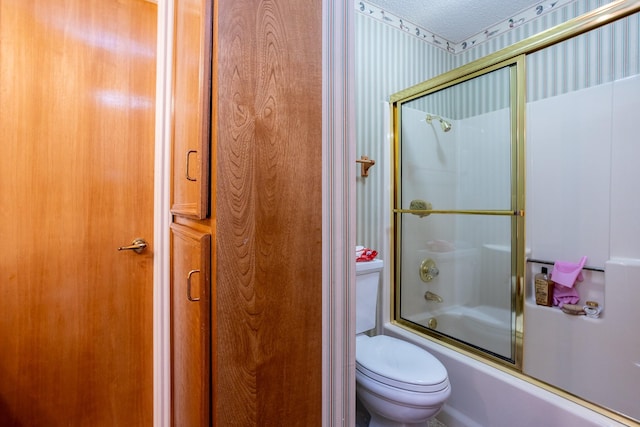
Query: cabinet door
(191,108)
(190,327)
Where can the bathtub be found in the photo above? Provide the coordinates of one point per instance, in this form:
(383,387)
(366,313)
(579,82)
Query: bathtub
(483,326)
(483,396)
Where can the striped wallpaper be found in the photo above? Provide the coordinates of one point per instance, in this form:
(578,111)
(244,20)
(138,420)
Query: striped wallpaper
(464,100)
(528,29)
(601,56)
(388,60)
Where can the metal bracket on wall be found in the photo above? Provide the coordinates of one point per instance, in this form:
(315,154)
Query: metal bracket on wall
(365,164)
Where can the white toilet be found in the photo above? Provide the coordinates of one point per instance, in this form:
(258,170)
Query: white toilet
(399,384)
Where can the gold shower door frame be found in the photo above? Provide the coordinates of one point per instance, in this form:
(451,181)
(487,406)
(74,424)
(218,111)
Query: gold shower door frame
(516,212)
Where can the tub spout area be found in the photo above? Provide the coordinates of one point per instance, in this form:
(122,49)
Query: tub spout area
(430,296)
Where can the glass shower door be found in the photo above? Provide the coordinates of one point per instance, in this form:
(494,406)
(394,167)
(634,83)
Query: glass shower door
(456,213)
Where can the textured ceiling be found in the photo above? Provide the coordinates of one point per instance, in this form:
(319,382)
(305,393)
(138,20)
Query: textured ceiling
(455,20)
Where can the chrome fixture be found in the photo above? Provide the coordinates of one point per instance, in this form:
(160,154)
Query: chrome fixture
(445,125)
(430,296)
(428,270)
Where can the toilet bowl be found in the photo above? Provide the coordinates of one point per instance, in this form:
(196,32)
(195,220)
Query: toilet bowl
(399,383)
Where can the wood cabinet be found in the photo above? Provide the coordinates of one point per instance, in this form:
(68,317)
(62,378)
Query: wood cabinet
(264,217)
(190,327)
(191,108)
(191,236)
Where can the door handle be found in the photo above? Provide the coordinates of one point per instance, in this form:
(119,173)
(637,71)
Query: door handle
(138,245)
(189,297)
(189,178)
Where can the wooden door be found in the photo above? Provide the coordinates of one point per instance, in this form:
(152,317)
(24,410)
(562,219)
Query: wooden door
(190,330)
(77,100)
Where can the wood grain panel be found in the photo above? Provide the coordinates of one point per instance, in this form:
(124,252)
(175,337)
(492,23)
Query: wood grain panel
(268,225)
(77,85)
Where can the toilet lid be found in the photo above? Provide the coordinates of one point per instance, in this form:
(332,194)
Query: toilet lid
(400,364)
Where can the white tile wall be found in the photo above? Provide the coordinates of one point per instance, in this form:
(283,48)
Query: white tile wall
(568,176)
(625,169)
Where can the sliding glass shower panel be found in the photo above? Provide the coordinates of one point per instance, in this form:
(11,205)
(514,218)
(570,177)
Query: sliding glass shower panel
(455,213)
(459,284)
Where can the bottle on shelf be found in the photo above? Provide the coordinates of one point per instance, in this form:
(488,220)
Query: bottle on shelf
(543,288)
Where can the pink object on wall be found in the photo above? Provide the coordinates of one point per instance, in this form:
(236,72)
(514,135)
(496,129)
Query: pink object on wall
(566,273)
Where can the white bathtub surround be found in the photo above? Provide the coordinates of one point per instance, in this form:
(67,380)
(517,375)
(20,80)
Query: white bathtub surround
(625,173)
(585,202)
(568,175)
(582,174)
(484,396)
(596,359)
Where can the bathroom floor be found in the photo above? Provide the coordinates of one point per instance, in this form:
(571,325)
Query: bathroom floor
(362,417)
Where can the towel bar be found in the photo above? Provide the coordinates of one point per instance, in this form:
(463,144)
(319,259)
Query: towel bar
(540,261)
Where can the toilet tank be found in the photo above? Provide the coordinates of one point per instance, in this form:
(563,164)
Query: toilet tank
(367,286)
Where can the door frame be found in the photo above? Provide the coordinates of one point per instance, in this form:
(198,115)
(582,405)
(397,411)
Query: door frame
(338,217)
(338,213)
(162,218)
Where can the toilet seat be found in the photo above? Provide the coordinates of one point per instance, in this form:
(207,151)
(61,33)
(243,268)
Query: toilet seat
(400,364)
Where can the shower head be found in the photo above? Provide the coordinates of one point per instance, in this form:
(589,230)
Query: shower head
(445,125)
